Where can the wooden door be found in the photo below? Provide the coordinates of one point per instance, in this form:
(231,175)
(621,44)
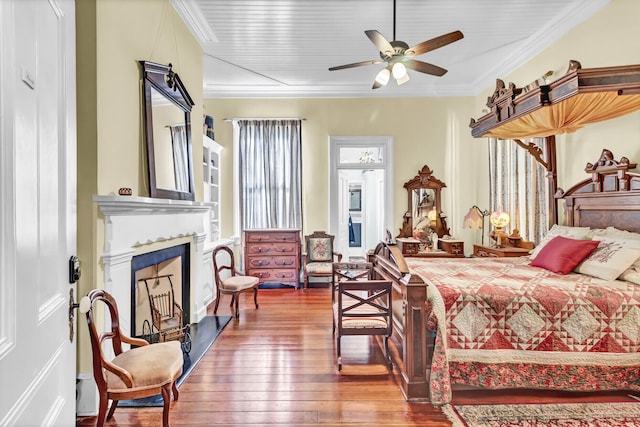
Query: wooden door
(37,212)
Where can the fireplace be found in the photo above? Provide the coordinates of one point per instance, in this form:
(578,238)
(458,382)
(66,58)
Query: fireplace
(164,271)
(137,226)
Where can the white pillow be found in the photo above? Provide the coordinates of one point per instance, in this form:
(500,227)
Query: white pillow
(596,232)
(611,258)
(631,274)
(621,234)
(560,230)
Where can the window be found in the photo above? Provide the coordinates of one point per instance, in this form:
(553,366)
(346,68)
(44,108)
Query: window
(269,187)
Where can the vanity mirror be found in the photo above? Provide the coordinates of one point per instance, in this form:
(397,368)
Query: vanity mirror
(167,109)
(424,211)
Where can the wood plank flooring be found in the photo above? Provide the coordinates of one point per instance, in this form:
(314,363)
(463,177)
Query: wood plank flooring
(276,366)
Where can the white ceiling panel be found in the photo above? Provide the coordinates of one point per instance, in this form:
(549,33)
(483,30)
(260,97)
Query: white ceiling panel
(284,48)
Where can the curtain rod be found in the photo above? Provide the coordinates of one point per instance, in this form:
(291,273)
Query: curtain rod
(264,118)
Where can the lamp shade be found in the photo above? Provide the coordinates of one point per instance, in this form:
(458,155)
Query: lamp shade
(499,219)
(473,219)
(432,215)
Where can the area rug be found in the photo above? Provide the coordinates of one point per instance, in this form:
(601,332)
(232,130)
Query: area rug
(203,335)
(617,414)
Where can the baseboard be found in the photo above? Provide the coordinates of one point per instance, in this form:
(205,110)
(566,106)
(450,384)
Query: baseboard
(86,395)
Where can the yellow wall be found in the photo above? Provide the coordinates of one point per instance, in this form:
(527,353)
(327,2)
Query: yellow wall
(431,131)
(112,36)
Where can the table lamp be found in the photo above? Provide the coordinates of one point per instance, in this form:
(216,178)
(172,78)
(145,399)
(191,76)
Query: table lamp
(499,219)
(474,219)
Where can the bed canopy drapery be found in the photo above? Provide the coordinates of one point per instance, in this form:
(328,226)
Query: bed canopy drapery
(580,97)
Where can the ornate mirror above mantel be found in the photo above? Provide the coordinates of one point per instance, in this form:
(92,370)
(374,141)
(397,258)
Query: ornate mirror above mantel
(167,107)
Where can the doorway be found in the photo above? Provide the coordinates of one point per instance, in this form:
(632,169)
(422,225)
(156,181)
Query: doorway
(361,185)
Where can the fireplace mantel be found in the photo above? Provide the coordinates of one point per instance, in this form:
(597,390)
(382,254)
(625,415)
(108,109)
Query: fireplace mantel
(131,222)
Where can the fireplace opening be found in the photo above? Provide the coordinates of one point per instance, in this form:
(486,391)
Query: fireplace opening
(169,270)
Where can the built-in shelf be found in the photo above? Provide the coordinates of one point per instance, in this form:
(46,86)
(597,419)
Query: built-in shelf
(211,177)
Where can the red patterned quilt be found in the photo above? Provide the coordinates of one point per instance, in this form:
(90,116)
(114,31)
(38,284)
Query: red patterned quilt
(502,323)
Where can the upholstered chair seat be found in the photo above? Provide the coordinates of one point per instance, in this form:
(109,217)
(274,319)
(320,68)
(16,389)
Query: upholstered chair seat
(148,366)
(314,268)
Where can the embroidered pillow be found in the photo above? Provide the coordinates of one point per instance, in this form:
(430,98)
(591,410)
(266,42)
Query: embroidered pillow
(560,230)
(320,249)
(611,258)
(561,255)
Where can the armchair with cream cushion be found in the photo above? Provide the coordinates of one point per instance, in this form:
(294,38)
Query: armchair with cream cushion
(318,256)
(144,370)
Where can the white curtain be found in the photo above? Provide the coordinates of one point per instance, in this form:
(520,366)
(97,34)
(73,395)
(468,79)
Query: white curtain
(270,173)
(179,144)
(518,186)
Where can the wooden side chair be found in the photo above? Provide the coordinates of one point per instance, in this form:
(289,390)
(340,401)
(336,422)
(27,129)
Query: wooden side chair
(318,256)
(231,281)
(363,307)
(144,370)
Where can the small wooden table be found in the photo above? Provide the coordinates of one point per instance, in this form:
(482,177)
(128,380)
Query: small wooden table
(507,251)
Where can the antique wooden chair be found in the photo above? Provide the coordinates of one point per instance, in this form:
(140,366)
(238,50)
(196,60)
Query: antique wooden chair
(231,281)
(144,370)
(318,256)
(348,271)
(363,307)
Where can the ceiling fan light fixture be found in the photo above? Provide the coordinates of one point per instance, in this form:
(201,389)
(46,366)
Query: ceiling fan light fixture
(383,77)
(399,71)
(402,80)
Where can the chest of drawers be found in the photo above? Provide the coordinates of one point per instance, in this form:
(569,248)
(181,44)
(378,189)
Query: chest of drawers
(272,255)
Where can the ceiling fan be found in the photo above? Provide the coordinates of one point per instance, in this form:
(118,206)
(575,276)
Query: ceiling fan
(399,56)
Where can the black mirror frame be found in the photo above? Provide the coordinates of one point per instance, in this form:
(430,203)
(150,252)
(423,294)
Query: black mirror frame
(166,82)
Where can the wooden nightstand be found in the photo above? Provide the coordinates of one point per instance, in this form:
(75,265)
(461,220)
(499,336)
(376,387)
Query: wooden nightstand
(488,251)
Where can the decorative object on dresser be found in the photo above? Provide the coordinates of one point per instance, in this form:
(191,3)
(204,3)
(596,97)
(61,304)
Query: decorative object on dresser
(424,224)
(231,281)
(318,256)
(474,219)
(499,219)
(272,255)
(505,251)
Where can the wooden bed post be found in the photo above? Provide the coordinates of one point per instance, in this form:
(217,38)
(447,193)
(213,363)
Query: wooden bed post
(410,335)
(552,178)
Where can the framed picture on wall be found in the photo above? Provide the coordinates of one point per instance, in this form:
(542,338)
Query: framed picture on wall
(355,200)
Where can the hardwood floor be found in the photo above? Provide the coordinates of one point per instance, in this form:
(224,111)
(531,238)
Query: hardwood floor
(277,367)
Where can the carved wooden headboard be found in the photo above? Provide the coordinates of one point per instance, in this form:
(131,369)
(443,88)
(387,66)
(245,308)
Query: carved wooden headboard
(611,197)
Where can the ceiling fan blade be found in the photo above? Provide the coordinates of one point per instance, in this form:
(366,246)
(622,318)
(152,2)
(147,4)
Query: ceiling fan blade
(424,67)
(356,64)
(434,43)
(381,43)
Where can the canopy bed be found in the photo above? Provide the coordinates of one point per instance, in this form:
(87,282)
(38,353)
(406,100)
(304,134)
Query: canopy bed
(503,323)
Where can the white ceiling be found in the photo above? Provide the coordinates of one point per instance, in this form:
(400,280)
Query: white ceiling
(283,48)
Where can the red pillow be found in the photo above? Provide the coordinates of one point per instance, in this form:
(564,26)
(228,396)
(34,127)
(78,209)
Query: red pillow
(561,255)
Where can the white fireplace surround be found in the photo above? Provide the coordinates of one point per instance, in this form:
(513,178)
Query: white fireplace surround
(132,222)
